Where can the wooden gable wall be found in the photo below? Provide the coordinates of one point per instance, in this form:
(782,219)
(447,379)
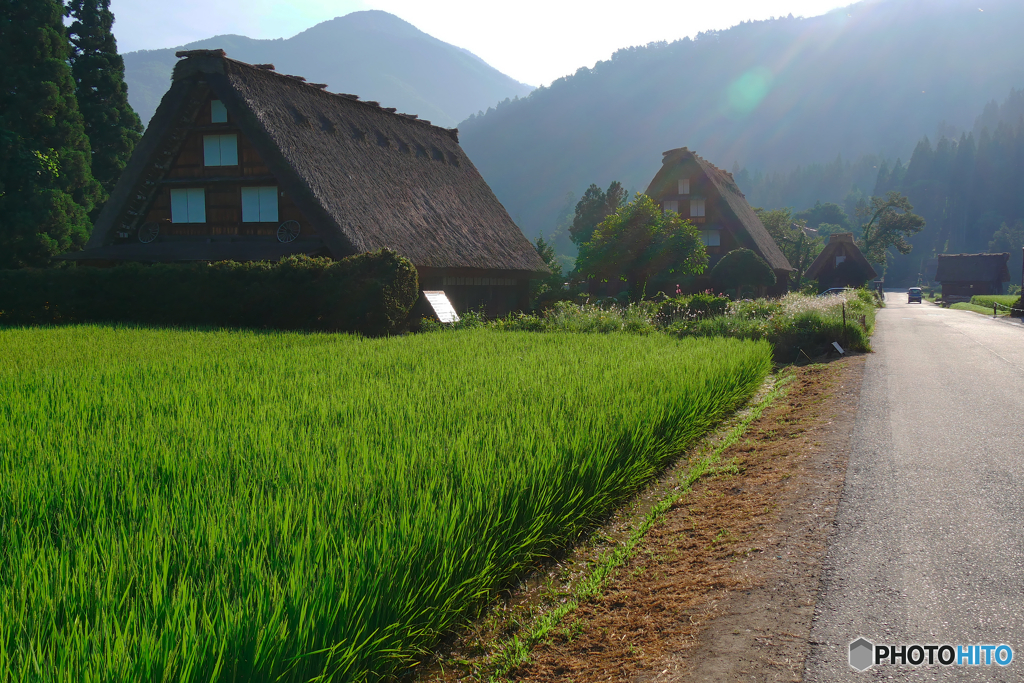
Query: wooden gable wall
(223,186)
(715,216)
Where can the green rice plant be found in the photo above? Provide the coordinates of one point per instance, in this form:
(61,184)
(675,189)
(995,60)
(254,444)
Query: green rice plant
(987,300)
(237,506)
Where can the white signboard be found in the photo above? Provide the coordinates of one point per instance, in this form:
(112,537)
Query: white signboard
(443,308)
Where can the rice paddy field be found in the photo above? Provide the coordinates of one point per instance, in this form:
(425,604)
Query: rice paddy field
(236,506)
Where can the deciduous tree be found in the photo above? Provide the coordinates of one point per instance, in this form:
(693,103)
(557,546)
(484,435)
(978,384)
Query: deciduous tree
(799,248)
(889,222)
(638,243)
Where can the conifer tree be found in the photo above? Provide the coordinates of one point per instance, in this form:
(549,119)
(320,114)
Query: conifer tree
(46,187)
(112,125)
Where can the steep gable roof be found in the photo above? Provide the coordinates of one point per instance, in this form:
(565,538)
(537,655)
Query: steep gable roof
(734,200)
(367,176)
(973,268)
(842,241)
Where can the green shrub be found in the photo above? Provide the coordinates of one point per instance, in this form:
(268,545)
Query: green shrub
(368,293)
(794,325)
(758,308)
(1017,309)
(695,307)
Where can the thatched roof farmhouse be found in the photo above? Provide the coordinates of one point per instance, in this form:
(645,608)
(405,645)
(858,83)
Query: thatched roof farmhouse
(965,275)
(708,196)
(243,163)
(840,264)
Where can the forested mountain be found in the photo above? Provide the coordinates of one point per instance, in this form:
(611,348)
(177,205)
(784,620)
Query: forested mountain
(372,54)
(769,95)
(969,190)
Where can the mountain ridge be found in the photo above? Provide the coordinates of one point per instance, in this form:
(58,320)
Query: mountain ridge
(372,53)
(772,95)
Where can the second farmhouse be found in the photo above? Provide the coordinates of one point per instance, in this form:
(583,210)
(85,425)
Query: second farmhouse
(708,196)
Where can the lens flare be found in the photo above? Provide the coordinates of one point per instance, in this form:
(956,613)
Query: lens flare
(746,92)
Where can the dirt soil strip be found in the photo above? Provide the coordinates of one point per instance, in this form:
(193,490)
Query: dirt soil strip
(723,587)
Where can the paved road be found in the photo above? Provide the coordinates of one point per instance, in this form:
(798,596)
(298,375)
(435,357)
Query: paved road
(929,543)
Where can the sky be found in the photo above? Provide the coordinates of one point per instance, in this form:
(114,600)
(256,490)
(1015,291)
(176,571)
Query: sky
(533,41)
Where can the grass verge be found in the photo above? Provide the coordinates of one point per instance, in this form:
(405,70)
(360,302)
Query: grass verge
(509,654)
(985,310)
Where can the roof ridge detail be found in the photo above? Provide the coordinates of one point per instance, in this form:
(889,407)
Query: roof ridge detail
(271,69)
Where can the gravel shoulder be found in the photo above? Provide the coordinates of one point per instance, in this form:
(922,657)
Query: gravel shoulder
(724,586)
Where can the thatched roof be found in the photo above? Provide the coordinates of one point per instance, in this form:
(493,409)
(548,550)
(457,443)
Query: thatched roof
(973,268)
(733,199)
(366,176)
(840,243)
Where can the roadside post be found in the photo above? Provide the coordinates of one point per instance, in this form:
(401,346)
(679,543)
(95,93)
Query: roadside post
(844,323)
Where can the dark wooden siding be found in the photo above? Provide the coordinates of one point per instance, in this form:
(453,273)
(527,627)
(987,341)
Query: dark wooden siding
(223,194)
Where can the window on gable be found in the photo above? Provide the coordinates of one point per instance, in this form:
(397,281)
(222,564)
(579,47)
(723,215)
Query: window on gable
(840,259)
(259,204)
(188,205)
(696,208)
(220,150)
(672,205)
(684,186)
(711,238)
(218,112)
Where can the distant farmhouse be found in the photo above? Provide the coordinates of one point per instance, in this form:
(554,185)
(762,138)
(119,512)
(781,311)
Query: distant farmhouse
(709,197)
(964,275)
(840,264)
(242,163)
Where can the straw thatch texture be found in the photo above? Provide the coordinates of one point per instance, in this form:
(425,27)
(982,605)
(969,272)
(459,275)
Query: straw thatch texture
(840,244)
(973,268)
(733,202)
(369,178)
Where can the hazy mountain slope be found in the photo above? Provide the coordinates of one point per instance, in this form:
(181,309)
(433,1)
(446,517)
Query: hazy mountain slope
(372,54)
(768,95)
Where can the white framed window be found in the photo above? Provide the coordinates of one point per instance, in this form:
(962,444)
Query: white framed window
(684,186)
(711,238)
(840,259)
(220,150)
(696,208)
(188,206)
(672,205)
(218,112)
(259,204)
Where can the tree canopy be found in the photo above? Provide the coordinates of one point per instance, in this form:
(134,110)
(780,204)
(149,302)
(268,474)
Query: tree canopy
(642,245)
(829,215)
(889,222)
(110,122)
(46,187)
(594,206)
(797,246)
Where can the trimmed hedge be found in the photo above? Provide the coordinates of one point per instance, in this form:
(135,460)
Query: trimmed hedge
(369,293)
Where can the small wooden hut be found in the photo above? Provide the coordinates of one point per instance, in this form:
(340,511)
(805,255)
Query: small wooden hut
(708,196)
(243,163)
(840,264)
(964,275)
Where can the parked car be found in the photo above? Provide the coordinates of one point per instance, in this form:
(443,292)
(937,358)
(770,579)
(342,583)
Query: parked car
(914,295)
(835,290)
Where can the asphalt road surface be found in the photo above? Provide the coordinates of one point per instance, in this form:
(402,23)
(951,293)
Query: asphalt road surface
(929,539)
